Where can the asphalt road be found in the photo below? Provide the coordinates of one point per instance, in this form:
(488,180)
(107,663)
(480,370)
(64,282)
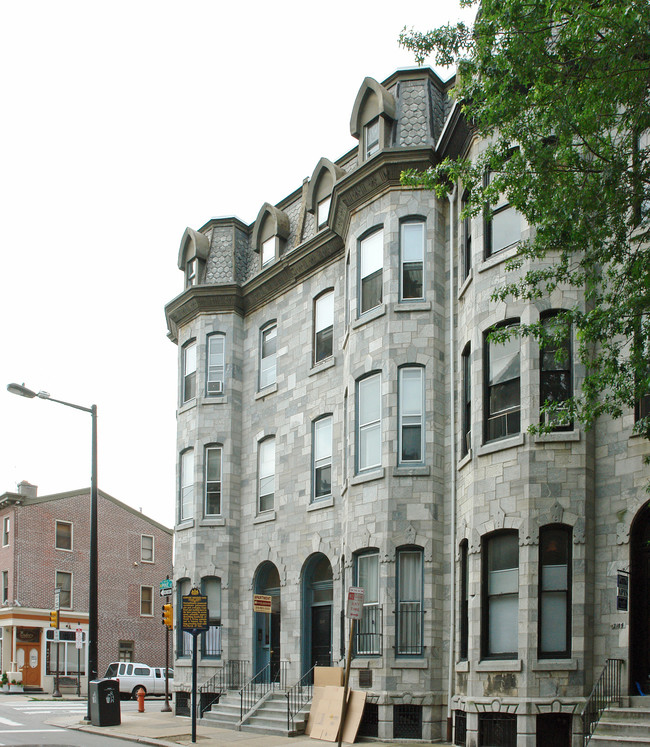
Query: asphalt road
(25,723)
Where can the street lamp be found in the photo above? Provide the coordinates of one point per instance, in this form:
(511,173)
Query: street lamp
(23,391)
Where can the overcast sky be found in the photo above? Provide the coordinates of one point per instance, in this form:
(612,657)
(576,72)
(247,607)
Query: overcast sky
(122,124)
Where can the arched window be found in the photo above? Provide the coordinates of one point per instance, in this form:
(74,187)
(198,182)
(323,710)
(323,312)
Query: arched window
(409,601)
(211,640)
(411,414)
(555,385)
(502,388)
(368,640)
(270,233)
(268,347)
(371,266)
(322,458)
(372,116)
(186,491)
(215,363)
(500,595)
(266,474)
(212,469)
(554,626)
(412,243)
(466,401)
(369,422)
(323,325)
(188,356)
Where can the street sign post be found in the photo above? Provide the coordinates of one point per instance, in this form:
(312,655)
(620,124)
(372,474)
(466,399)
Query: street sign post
(166,591)
(353,612)
(166,588)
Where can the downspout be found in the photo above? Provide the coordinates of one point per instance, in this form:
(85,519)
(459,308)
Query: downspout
(452,410)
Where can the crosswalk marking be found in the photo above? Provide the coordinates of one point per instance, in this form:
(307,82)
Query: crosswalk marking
(9,722)
(28,731)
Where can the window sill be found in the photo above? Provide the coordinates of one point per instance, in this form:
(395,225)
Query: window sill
(503,443)
(270,389)
(405,306)
(266,516)
(369,316)
(555,665)
(464,460)
(466,283)
(185,524)
(556,437)
(499,665)
(499,257)
(462,666)
(376,474)
(215,399)
(217,521)
(322,366)
(415,663)
(411,471)
(186,406)
(321,503)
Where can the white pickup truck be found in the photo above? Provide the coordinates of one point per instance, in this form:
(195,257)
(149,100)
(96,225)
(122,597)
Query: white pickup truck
(131,676)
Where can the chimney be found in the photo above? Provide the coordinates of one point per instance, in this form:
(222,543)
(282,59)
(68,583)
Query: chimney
(27,489)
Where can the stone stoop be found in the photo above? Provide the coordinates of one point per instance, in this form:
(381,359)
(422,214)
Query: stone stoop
(225,713)
(624,726)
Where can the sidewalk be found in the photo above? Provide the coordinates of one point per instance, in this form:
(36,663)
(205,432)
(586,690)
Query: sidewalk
(166,730)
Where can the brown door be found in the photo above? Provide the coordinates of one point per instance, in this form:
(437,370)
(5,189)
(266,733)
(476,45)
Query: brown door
(29,661)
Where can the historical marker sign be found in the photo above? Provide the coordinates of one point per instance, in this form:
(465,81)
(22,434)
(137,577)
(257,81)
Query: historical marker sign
(194,612)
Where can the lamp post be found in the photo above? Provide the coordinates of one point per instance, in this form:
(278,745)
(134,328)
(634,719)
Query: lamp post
(23,391)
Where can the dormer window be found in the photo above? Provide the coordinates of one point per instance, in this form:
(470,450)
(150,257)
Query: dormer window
(371,137)
(192,256)
(191,272)
(270,234)
(323,211)
(319,191)
(268,251)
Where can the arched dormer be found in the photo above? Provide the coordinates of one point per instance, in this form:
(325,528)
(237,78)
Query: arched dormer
(192,254)
(373,112)
(319,189)
(270,233)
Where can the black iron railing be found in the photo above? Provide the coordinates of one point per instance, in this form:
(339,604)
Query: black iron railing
(230,677)
(298,696)
(272,677)
(369,632)
(606,691)
(409,629)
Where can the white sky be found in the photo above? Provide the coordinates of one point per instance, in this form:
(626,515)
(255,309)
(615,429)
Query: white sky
(122,123)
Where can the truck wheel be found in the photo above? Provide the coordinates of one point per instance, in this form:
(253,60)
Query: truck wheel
(134,692)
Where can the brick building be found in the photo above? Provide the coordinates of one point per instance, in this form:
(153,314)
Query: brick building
(344,420)
(45,544)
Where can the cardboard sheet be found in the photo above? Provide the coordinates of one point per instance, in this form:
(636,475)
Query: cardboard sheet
(356,704)
(327,718)
(317,695)
(324,676)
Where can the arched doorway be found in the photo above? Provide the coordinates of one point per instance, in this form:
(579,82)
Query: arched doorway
(640,602)
(266,625)
(317,594)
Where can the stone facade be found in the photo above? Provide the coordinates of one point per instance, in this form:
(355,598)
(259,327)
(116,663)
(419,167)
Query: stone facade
(415,518)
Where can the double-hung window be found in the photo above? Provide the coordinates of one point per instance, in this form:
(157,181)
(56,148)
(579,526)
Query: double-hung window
(268,251)
(268,346)
(211,639)
(409,602)
(322,471)
(500,595)
(466,236)
(189,372)
(146,601)
(466,401)
(266,472)
(411,414)
(412,260)
(187,485)
(323,326)
(63,539)
(463,643)
(554,592)
(371,137)
(63,581)
(369,422)
(371,262)
(6,523)
(213,456)
(323,211)
(191,272)
(555,373)
(146,548)
(216,352)
(5,586)
(369,631)
(503,228)
(502,396)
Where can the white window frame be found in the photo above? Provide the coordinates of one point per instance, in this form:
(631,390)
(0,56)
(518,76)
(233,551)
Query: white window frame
(414,417)
(186,490)
(321,453)
(370,428)
(6,530)
(369,630)
(409,259)
(189,371)
(371,249)
(268,251)
(371,135)
(410,607)
(323,324)
(56,585)
(266,474)
(209,450)
(56,533)
(142,548)
(323,211)
(497,212)
(215,378)
(268,363)
(142,600)
(191,272)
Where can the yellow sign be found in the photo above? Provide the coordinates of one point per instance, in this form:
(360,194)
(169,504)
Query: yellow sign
(194,612)
(262,603)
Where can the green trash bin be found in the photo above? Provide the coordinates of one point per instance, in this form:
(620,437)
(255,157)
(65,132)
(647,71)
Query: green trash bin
(104,703)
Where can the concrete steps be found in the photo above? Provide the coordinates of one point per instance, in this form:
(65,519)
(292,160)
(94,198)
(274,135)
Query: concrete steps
(624,726)
(225,713)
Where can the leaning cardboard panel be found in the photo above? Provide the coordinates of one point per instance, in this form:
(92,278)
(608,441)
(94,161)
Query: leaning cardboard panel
(324,676)
(356,704)
(317,696)
(328,717)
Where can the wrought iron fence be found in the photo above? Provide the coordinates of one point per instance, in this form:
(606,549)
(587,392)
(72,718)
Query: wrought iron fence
(298,696)
(606,691)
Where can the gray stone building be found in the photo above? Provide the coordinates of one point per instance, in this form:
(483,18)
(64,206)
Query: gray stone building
(343,420)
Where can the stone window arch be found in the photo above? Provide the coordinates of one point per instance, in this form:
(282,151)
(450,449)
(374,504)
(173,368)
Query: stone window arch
(372,118)
(270,233)
(192,255)
(319,190)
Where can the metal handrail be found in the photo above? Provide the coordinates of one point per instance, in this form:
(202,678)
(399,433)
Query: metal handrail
(298,696)
(607,690)
(229,677)
(262,683)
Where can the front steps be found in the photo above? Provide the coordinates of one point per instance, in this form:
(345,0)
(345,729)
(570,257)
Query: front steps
(269,717)
(624,726)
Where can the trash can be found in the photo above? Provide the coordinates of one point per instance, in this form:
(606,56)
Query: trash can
(104,703)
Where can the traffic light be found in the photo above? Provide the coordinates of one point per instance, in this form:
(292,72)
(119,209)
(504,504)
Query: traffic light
(54,619)
(168,616)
